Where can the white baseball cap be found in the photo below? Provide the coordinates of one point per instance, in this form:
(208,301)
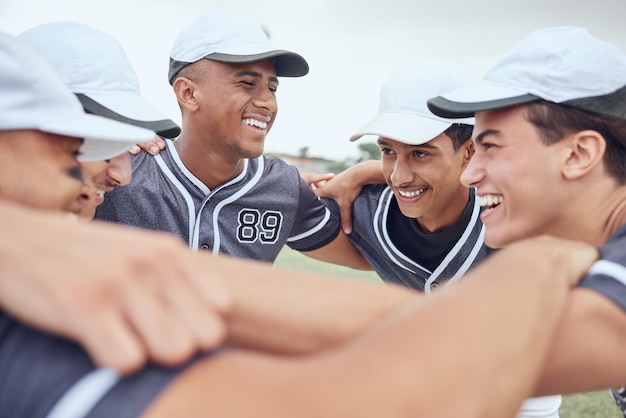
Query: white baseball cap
(402,112)
(32,96)
(228,37)
(95,67)
(563,65)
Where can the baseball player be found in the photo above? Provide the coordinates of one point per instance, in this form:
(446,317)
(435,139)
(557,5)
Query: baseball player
(550,137)
(422,228)
(95,68)
(212,187)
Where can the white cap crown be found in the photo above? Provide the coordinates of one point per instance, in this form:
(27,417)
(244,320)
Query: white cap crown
(32,96)
(402,114)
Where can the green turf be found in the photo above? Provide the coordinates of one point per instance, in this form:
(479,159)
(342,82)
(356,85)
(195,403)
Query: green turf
(586,405)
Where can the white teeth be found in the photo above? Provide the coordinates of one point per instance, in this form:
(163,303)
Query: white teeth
(257,123)
(489,200)
(404,193)
(100,192)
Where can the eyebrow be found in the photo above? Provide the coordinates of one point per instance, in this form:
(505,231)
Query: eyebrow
(425,145)
(481,136)
(255,74)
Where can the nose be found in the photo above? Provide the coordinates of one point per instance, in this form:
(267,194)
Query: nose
(401,173)
(474,172)
(265,99)
(119,169)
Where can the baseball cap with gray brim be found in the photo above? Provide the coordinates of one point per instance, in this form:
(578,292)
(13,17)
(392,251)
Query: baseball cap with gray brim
(33,97)
(402,112)
(564,65)
(95,67)
(227,37)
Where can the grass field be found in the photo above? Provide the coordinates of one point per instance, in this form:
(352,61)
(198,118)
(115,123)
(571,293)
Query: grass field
(585,405)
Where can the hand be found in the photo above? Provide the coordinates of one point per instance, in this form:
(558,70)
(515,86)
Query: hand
(346,186)
(315,180)
(573,258)
(153,147)
(344,191)
(126,296)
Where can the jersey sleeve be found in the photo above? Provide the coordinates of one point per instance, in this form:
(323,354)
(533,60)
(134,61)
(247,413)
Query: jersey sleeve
(607,276)
(44,375)
(315,225)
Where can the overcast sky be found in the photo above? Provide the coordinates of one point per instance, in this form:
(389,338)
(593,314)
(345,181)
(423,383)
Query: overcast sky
(351,47)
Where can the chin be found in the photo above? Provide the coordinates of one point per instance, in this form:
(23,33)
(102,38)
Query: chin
(494,241)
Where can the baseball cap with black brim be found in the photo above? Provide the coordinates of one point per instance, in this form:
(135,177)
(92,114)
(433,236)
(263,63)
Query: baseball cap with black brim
(33,97)
(564,65)
(95,67)
(402,112)
(227,37)
(165,128)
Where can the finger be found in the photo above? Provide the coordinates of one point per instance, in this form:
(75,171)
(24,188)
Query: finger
(346,218)
(214,293)
(110,341)
(201,319)
(134,149)
(582,259)
(163,332)
(325,177)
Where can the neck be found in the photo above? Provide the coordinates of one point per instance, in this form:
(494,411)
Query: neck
(209,165)
(617,217)
(595,222)
(446,216)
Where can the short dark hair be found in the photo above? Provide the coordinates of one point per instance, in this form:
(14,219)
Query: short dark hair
(459,133)
(554,121)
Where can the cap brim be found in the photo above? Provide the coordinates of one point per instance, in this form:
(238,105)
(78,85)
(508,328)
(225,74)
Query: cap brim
(131,109)
(287,63)
(466,101)
(405,127)
(103,138)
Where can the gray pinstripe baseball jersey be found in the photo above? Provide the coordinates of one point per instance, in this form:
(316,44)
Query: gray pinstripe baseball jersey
(372,214)
(607,276)
(44,376)
(252,216)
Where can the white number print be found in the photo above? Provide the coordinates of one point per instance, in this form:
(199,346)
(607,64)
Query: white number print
(255,226)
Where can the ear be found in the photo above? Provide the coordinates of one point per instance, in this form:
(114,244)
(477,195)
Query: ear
(468,149)
(186,94)
(585,152)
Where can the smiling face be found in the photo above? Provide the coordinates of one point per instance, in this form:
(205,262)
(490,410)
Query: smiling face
(39,170)
(101,177)
(236,105)
(425,179)
(517,177)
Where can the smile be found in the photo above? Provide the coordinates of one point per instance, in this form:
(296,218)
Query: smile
(490,201)
(255,123)
(410,194)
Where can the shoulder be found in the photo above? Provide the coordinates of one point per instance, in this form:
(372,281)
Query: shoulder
(142,159)
(278,164)
(274,169)
(373,193)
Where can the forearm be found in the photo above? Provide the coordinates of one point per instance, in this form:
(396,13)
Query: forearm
(341,252)
(588,348)
(473,350)
(483,340)
(284,311)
